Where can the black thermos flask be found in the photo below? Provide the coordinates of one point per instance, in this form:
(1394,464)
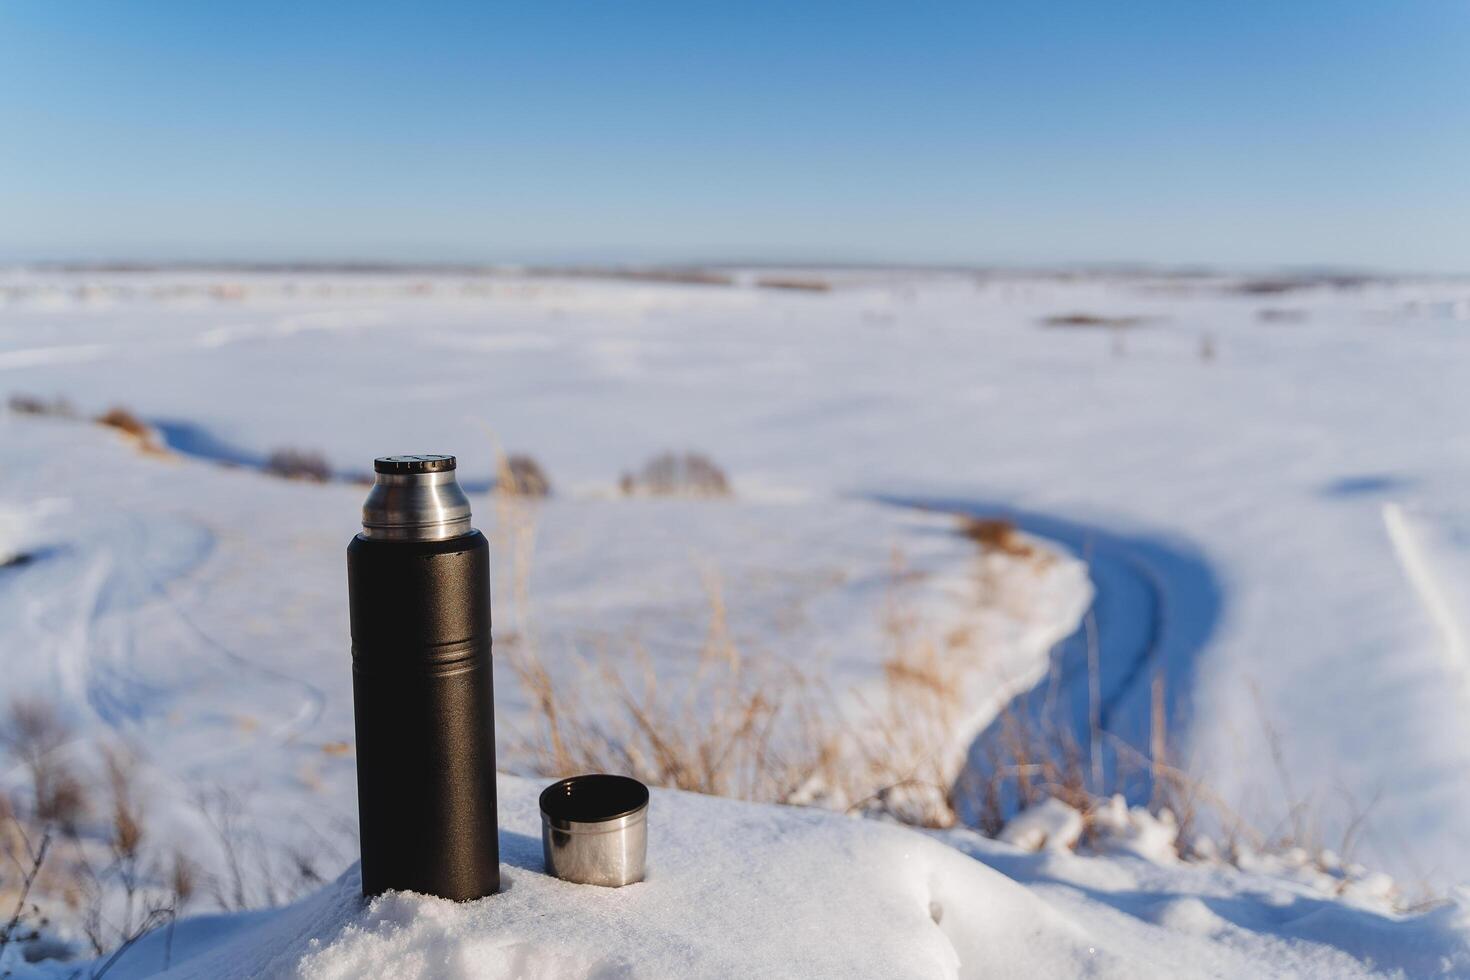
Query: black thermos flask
(418,581)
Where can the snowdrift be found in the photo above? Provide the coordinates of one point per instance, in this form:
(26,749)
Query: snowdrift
(737,889)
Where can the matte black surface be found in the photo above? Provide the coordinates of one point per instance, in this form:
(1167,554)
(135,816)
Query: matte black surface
(425,715)
(592,798)
(432,463)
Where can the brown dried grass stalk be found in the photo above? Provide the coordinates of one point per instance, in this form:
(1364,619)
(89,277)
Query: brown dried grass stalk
(716,732)
(749,725)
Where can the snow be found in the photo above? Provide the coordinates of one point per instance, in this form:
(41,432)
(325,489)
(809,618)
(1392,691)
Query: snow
(1116,826)
(738,889)
(732,889)
(1207,919)
(1050,824)
(1278,532)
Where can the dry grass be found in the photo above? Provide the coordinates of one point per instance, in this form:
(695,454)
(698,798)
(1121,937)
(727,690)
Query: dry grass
(738,725)
(678,275)
(127,813)
(1090,320)
(719,732)
(299,464)
(1278,314)
(134,428)
(903,756)
(105,881)
(1276,286)
(1026,764)
(117,418)
(997,534)
(794,283)
(751,726)
(26,923)
(519,475)
(35,736)
(125,422)
(78,846)
(669,474)
(1039,758)
(58,407)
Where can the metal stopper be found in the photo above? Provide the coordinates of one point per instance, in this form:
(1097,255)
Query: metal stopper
(415,498)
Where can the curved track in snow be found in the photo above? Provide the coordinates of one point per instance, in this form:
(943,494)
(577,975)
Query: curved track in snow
(105,614)
(1156,604)
(1419,570)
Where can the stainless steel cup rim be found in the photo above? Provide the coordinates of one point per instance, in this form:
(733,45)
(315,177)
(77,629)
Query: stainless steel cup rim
(600,827)
(594,803)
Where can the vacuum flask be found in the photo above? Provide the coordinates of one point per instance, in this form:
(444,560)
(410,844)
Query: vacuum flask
(418,579)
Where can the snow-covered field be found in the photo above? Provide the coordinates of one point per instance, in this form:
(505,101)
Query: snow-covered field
(1271,509)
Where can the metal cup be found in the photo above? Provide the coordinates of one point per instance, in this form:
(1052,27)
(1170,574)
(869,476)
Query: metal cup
(594,829)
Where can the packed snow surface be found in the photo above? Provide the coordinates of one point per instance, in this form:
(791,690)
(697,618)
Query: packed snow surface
(739,889)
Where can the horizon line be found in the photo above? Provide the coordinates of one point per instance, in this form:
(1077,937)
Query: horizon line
(1318,270)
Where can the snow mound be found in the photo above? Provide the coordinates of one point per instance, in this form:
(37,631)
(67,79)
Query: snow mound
(739,889)
(733,889)
(1117,827)
(1051,824)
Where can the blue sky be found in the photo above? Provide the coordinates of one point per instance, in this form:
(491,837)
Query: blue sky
(1246,133)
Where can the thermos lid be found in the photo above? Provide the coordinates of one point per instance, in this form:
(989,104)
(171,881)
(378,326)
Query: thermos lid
(415,498)
(413,464)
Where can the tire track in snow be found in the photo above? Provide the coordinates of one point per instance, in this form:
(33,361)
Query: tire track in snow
(108,607)
(1426,585)
(312,699)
